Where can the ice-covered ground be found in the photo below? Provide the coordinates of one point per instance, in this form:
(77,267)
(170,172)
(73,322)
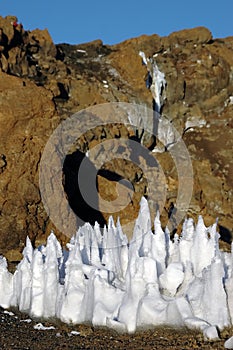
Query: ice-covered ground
(104,279)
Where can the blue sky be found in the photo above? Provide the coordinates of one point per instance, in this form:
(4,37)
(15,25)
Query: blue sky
(75,21)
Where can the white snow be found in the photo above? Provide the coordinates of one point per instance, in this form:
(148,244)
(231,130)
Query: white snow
(74,333)
(27,320)
(81,51)
(194,122)
(143,56)
(41,327)
(229,343)
(10,313)
(106,280)
(158,80)
(105,84)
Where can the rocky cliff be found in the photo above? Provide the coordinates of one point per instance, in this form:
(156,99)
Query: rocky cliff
(42,84)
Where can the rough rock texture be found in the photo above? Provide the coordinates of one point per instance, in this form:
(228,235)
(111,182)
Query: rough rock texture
(42,84)
(27,117)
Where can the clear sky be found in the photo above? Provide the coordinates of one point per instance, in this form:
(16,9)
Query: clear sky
(75,21)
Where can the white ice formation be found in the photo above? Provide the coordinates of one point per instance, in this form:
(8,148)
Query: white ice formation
(106,280)
(157,82)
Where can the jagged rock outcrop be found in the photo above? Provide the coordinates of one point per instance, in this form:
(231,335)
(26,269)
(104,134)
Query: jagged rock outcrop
(42,84)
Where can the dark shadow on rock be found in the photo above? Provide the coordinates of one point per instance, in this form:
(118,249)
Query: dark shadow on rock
(225,234)
(84,212)
(63,92)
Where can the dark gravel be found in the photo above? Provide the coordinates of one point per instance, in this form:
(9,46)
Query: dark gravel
(16,333)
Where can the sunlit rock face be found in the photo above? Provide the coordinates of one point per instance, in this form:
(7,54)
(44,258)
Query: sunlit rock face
(42,84)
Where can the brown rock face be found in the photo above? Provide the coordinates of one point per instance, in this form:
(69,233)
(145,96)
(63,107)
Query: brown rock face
(199,35)
(42,84)
(26,117)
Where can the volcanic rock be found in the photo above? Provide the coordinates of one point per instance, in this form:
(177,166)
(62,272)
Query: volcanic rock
(42,84)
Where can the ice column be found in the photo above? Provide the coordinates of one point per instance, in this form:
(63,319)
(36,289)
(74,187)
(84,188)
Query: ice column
(6,284)
(23,280)
(72,307)
(51,275)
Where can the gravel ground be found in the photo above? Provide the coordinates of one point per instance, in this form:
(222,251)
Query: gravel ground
(17,332)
